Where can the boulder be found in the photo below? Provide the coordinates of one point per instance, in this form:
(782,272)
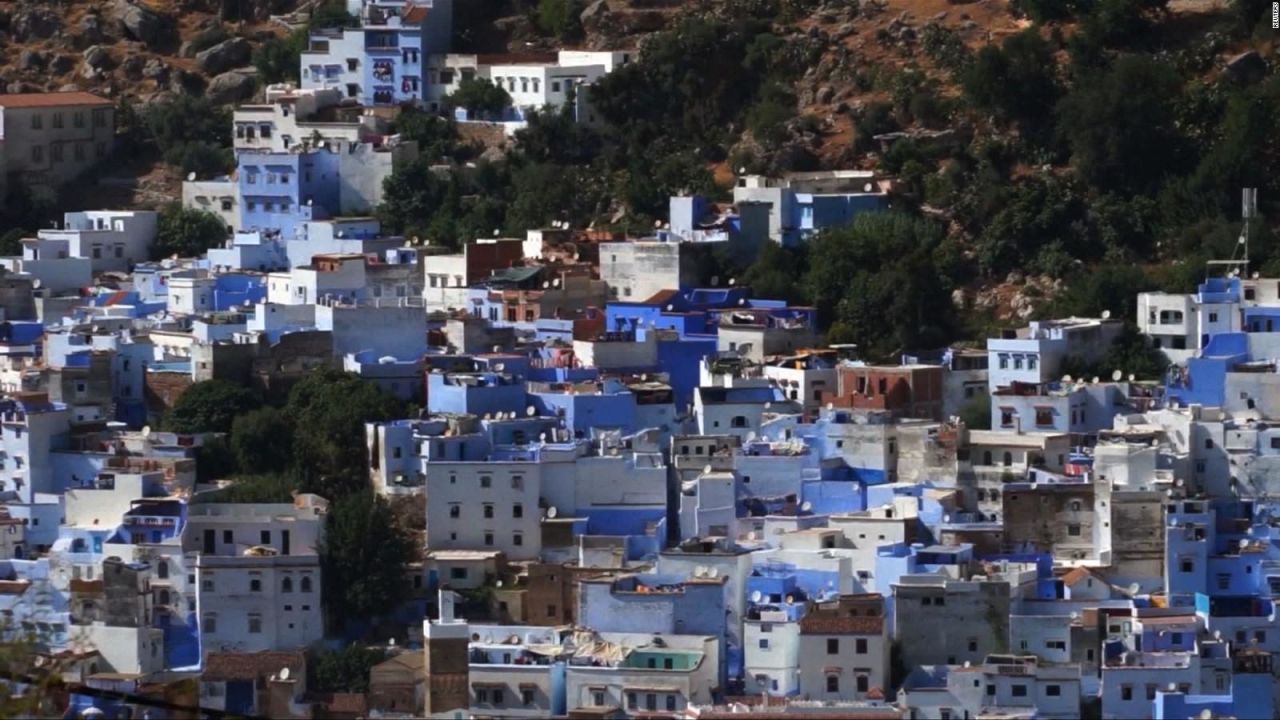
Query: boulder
(186,83)
(90,30)
(595,12)
(139,23)
(30,60)
(230,87)
(224,56)
(133,66)
(155,70)
(824,95)
(61,64)
(35,23)
(97,57)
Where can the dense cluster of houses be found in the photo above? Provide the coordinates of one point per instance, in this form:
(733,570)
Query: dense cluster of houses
(647,493)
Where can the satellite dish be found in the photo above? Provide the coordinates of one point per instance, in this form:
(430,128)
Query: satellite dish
(831,406)
(806,506)
(36,283)
(1257,275)
(310,202)
(791,599)
(531,411)
(706,469)
(866,187)
(715,280)
(733,281)
(751,435)
(498,584)
(1116,375)
(146,431)
(1134,588)
(552,512)
(1106,314)
(284,674)
(1066,378)
(1244,543)
(756,596)
(713,572)
(191,176)
(1095,379)
(1132,377)
(495,232)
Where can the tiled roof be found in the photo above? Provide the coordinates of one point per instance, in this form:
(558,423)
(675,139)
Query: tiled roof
(355,703)
(55,99)
(224,666)
(85,586)
(821,623)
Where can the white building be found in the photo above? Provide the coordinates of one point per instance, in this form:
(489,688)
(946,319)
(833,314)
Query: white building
(1035,354)
(485,506)
(112,240)
(628,679)
(260,600)
(844,649)
(771,653)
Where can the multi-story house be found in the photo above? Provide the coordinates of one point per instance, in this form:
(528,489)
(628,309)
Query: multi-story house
(1035,355)
(381,63)
(844,649)
(803,203)
(50,139)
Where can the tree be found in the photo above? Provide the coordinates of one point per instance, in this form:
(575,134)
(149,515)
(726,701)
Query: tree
(331,14)
(262,441)
(410,197)
(187,120)
(480,97)
(329,411)
(249,489)
(778,273)
(1016,82)
(209,407)
(214,460)
(437,137)
(1119,125)
(363,556)
(878,279)
(561,18)
(346,670)
(187,232)
(279,59)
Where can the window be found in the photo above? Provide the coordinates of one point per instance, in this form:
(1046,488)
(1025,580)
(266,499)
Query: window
(1126,692)
(631,701)
(1031,362)
(255,623)
(991,689)
(228,538)
(1213,317)
(1019,690)
(1073,530)
(482,696)
(209,622)
(286,585)
(37,122)
(862,683)
(671,703)
(488,539)
(455,511)
(1053,690)
(255,584)
(306,584)
(37,153)
(1208,443)
(860,646)
(57,122)
(1004,362)
(551,611)
(458,573)
(1006,417)
(497,696)
(517,539)
(488,511)
(1260,636)
(1044,417)
(485,481)
(526,696)
(833,683)
(764,643)
(77,152)
(517,510)
(651,702)
(206,584)
(833,646)
(1224,581)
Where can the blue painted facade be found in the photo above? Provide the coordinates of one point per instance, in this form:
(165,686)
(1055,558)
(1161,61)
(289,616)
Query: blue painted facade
(282,190)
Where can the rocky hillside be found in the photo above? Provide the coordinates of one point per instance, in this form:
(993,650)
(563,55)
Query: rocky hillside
(137,49)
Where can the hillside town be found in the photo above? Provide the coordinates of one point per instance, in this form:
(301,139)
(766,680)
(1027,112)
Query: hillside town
(326,470)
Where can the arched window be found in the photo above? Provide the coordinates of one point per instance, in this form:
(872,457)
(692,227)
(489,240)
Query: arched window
(164,597)
(306,583)
(1008,458)
(287,584)
(162,569)
(986,458)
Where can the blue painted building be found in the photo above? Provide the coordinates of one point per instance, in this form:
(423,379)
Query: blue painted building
(282,190)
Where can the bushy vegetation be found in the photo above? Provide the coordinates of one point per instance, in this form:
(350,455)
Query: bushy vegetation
(1110,157)
(190,133)
(186,232)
